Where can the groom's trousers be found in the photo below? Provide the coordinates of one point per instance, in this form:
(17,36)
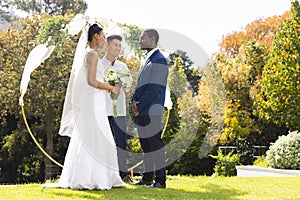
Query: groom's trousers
(118,127)
(154,158)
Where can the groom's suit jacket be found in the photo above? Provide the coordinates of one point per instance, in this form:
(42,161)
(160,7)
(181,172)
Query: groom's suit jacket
(151,85)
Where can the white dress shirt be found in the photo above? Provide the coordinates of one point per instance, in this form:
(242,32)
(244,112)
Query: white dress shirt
(147,57)
(121,101)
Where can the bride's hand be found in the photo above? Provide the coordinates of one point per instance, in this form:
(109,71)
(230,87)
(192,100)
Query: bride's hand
(116,90)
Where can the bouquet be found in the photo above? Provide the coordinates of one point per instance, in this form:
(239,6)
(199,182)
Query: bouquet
(120,78)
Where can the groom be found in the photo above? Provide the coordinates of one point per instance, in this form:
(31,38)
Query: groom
(148,107)
(118,124)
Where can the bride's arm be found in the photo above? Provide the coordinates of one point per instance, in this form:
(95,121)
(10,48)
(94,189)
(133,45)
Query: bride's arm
(92,60)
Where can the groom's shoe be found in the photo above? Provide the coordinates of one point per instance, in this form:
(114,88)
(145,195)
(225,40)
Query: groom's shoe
(142,182)
(157,185)
(127,179)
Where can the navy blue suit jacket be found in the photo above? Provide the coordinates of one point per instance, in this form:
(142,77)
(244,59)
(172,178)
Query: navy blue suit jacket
(151,85)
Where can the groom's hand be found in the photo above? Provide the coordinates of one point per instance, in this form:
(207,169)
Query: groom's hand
(135,109)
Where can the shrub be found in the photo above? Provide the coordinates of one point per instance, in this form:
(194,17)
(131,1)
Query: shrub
(285,152)
(225,165)
(260,161)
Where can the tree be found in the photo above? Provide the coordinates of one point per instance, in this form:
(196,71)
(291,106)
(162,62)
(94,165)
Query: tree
(5,12)
(261,30)
(192,74)
(187,126)
(188,139)
(178,85)
(241,60)
(231,43)
(279,99)
(132,39)
(52,7)
(43,101)
(254,55)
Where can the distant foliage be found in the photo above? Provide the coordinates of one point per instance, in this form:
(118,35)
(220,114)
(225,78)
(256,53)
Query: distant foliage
(52,7)
(188,68)
(132,39)
(285,152)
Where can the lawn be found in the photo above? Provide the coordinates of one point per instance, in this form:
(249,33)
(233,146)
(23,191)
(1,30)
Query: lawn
(178,187)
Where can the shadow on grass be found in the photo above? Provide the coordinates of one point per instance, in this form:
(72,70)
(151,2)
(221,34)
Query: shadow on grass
(207,191)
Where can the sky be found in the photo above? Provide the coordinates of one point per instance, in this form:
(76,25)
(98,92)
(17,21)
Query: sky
(204,22)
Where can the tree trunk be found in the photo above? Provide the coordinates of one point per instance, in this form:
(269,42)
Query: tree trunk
(49,144)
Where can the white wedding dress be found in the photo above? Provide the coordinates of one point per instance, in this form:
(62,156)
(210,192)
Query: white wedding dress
(91,159)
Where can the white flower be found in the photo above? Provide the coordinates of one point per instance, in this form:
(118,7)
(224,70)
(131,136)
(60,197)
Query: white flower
(119,77)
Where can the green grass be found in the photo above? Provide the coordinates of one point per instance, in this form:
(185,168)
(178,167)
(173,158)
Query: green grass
(178,187)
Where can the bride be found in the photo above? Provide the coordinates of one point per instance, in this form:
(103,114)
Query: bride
(91,159)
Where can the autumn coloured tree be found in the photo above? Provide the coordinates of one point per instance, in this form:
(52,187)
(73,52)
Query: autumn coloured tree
(241,60)
(261,30)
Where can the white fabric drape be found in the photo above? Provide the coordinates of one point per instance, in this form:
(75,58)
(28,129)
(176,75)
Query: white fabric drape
(35,58)
(41,52)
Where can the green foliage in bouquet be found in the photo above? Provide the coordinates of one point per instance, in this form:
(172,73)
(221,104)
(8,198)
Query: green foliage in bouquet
(119,78)
(285,152)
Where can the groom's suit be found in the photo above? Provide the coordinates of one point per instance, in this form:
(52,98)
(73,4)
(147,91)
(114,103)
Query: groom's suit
(150,95)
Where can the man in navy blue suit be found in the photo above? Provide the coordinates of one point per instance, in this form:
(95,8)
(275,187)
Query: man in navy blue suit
(148,107)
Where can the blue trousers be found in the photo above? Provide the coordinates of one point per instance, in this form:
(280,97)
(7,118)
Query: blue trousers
(154,158)
(118,127)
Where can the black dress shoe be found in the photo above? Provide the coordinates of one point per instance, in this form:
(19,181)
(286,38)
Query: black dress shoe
(142,182)
(127,179)
(157,185)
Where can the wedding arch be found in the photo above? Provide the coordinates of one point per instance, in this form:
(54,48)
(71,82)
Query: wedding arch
(79,24)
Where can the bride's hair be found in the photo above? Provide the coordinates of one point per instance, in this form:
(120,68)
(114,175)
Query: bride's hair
(93,30)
